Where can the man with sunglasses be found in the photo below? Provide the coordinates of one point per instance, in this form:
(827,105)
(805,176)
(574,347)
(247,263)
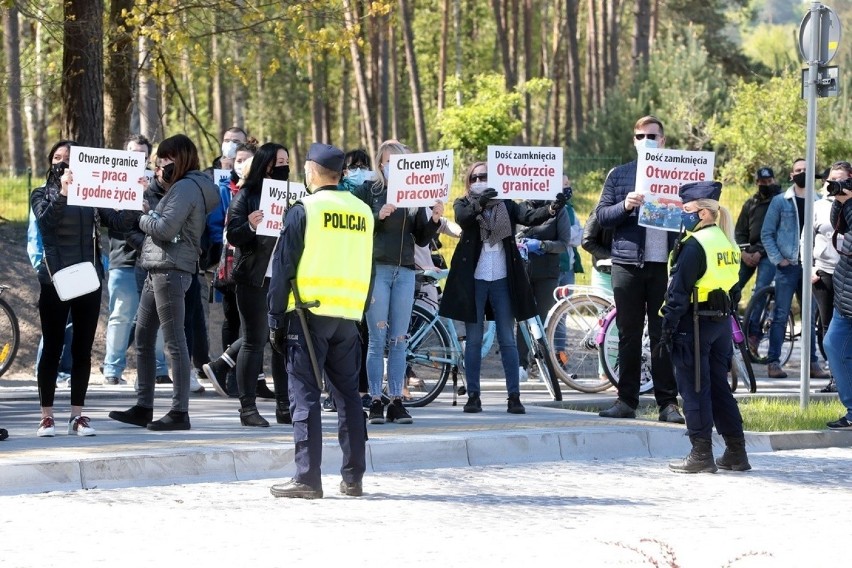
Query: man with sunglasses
(639,281)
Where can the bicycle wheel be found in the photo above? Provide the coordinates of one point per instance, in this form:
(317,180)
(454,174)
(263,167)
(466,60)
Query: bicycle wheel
(540,354)
(758,321)
(10,336)
(609,358)
(572,326)
(429,358)
(741,369)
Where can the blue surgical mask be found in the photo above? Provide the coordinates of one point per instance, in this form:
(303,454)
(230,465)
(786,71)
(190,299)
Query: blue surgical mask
(689,220)
(386,171)
(646,144)
(356,177)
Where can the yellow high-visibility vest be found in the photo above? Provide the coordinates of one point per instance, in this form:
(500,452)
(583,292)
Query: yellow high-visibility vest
(336,263)
(723,261)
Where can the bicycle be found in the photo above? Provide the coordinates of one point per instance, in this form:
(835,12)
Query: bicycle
(741,370)
(764,301)
(10,333)
(571,327)
(436,351)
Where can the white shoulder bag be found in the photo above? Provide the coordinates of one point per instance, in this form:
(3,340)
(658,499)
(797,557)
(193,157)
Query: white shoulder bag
(76,280)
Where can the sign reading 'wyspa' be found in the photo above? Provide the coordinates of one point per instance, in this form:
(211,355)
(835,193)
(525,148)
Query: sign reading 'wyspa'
(275,197)
(106,178)
(419,180)
(525,172)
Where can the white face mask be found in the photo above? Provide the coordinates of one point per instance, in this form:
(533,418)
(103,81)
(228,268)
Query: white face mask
(229,149)
(646,143)
(478,187)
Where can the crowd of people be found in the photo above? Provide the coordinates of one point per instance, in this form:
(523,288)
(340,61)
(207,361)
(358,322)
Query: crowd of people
(509,258)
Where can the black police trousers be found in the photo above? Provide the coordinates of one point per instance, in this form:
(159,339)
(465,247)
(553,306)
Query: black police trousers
(338,351)
(714,403)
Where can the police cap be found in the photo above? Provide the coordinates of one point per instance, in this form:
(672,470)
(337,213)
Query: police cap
(700,190)
(765,173)
(327,156)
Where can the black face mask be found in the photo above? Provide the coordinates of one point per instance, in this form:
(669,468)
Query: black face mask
(799,179)
(568,192)
(280,173)
(168,172)
(768,190)
(56,171)
(234,177)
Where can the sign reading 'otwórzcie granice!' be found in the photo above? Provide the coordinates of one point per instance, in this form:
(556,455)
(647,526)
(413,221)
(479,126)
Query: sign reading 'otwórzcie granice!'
(525,172)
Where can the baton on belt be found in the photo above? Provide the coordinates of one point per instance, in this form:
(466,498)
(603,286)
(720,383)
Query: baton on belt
(301,309)
(696,347)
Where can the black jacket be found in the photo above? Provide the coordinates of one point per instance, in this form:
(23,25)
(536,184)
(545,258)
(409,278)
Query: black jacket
(458,301)
(841,219)
(546,266)
(628,237)
(597,241)
(750,221)
(252,251)
(394,237)
(69,233)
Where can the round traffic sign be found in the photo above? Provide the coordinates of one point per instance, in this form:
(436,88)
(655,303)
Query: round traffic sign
(828,30)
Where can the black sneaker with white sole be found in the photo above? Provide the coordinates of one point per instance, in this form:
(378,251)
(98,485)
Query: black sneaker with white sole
(397,413)
(377,413)
(840,424)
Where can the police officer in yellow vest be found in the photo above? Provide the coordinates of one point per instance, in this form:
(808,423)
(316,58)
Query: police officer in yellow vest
(326,248)
(706,260)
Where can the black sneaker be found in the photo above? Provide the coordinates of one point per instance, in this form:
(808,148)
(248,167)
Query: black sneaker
(135,415)
(377,413)
(328,405)
(173,420)
(217,372)
(515,406)
(840,424)
(163,380)
(294,490)
(473,404)
(397,413)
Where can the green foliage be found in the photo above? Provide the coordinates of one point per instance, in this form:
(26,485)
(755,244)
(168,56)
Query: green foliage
(488,116)
(773,45)
(781,415)
(14,198)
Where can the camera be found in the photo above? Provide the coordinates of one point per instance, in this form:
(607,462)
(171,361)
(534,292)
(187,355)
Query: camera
(837,187)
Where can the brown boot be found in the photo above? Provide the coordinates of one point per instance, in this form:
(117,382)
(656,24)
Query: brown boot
(699,460)
(775,371)
(734,458)
(818,372)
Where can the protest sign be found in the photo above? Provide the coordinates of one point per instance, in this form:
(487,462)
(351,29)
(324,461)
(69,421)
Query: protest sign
(106,178)
(419,180)
(659,175)
(221,175)
(525,172)
(275,197)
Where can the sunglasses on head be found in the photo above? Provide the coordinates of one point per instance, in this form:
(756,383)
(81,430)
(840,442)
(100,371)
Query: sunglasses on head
(478,177)
(641,136)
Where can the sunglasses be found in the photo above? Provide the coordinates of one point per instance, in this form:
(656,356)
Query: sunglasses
(641,136)
(478,177)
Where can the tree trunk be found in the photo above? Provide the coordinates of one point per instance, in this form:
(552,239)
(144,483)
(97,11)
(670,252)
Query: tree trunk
(149,113)
(526,115)
(260,126)
(14,126)
(413,77)
(382,78)
(220,121)
(457,31)
(82,89)
(360,78)
(612,34)
(118,76)
(641,28)
(395,99)
(315,90)
(35,105)
(442,53)
(343,106)
(503,41)
(574,94)
(593,64)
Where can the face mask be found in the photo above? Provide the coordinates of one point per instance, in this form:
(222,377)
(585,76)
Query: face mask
(167,172)
(768,190)
(478,187)
(689,220)
(369,175)
(568,192)
(235,177)
(56,170)
(229,149)
(646,143)
(386,171)
(280,173)
(356,177)
(799,179)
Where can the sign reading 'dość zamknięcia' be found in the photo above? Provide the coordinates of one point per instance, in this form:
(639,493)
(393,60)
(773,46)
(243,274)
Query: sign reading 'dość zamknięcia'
(106,178)
(275,197)
(525,172)
(419,180)
(659,175)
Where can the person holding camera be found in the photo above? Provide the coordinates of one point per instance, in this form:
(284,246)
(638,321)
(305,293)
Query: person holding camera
(837,340)
(781,234)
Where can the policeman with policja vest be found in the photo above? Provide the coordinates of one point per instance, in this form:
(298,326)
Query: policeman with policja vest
(702,292)
(320,286)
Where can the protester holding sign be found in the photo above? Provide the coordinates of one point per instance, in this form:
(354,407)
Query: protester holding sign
(170,253)
(251,275)
(397,230)
(71,238)
(487,269)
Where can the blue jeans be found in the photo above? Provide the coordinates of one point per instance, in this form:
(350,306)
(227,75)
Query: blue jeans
(765,274)
(838,348)
(389,312)
(162,306)
(495,293)
(788,282)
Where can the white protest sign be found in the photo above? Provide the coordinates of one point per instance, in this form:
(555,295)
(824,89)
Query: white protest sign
(274,203)
(659,175)
(221,175)
(525,172)
(106,178)
(419,180)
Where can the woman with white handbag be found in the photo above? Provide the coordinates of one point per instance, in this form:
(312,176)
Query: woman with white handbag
(70,279)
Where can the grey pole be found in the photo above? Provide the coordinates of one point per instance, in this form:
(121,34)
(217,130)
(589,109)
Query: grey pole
(808,230)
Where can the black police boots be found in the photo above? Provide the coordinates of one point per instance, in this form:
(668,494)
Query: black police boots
(699,460)
(734,458)
(282,411)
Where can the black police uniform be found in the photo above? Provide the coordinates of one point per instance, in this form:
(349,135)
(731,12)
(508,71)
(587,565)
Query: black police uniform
(337,346)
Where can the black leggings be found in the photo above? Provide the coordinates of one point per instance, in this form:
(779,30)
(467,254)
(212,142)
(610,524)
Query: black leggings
(53,313)
(253,315)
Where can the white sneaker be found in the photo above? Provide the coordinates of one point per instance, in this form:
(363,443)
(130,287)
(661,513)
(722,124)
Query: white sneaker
(80,425)
(194,385)
(523,376)
(46,428)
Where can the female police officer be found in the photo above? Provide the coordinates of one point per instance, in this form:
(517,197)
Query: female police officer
(704,275)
